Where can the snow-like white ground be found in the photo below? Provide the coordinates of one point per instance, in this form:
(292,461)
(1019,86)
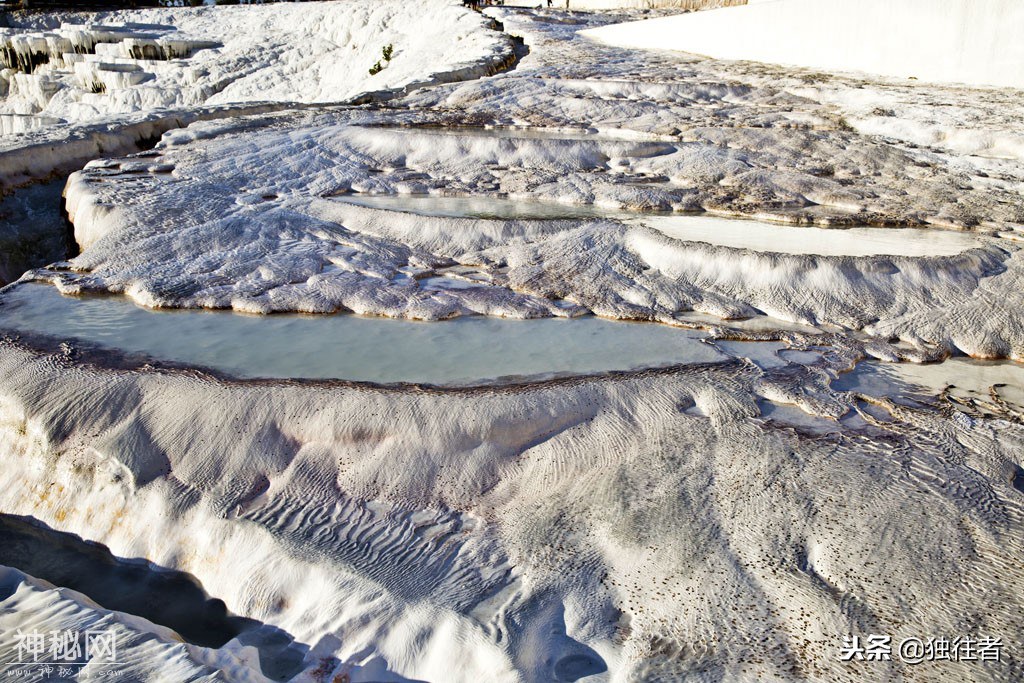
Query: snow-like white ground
(980,42)
(85,85)
(659,525)
(729,522)
(122,62)
(678,134)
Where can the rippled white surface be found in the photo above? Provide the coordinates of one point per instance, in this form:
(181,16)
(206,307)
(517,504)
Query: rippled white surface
(351,347)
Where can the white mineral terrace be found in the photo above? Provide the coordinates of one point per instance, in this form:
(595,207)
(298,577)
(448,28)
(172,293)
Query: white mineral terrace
(527,357)
(952,41)
(124,62)
(750,235)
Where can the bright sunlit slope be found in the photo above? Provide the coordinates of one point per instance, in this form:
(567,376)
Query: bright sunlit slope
(131,61)
(979,42)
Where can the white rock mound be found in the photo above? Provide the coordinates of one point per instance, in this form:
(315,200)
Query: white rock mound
(308,53)
(654,526)
(248,217)
(978,42)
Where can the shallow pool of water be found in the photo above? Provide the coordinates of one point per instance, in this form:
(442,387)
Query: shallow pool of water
(727,232)
(792,239)
(463,351)
(962,376)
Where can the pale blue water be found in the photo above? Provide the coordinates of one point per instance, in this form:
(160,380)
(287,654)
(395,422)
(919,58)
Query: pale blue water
(462,351)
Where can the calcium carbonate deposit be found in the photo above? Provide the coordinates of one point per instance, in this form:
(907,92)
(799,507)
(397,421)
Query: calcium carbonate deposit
(524,358)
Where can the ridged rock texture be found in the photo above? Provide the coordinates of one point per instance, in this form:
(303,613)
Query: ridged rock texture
(720,522)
